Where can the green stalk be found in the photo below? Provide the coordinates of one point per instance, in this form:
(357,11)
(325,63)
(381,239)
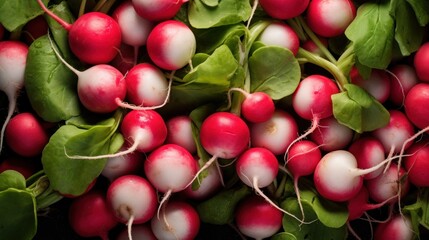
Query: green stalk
(82,8)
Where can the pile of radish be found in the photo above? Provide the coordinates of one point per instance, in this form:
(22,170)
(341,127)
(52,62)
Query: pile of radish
(232,119)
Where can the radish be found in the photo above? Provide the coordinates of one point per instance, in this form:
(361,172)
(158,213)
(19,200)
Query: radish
(209,185)
(13,59)
(282,35)
(99,86)
(415,105)
(26,166)
(157,10)
(330,18)
(125,58)
(181,221)
(284,9)
(132,199)
(332,135)
(94,37)
(337,176)
(170,168)
(180,132)
(368,151)
(416,163)
(34,29)
(256,107)
(171,44)
(378,83)
(399,227)
(403,78)
(90,216)
(275,134)
(421,59)
(25,135)
(140,231)
(258,219)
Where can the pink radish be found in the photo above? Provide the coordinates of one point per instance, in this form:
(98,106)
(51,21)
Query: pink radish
(276,133)
(421,59)
(13,59)
(139,231)
(132,199)
(282,35)
(416,163)
(332,135)
(403,78)
(258,219)
(256,107)
(330,18)
(170,168)
(368,151)
(90,216)
(378,83)
(208,186)
(416,105)
(99,86)
(171,44)
(25,135)
(399,227)
(180,132)
(94,37)
(157,10)
(180,221)
(284,9)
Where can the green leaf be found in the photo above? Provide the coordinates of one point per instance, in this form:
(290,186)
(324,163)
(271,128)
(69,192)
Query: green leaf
(372,34)
(11,179)
(421,10)
(275,71)
(283,236)
(226,12)
(15,14)
(220,208)
(50,85)
(18,218)
(358,110)
(210,3)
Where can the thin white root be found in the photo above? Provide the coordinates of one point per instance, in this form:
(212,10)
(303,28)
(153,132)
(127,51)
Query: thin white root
(163,200)
(204,167)
(129,225)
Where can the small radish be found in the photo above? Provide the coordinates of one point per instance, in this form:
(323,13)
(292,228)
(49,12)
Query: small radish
(170,168)
(275,134)
(132,199)
(157,10)
(180,221)
(99,86)
(421,60)
(171,44)
(282,35)
(416,163)
(256,107)
(378,83)
(94,37)
(403,78)
(25,135)
(26,166)
(139,231)
(332,135)
(416,105)
(90,216)
(368,151)
(180,132)
(209,185)
(330,18)
(284,9)
(13,59)
(399,227)
(258,219)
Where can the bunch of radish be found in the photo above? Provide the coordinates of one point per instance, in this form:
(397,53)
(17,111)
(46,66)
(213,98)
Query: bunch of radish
(170,140)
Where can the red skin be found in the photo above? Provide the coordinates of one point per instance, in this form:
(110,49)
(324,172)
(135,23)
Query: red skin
(257,107)
(378,83)
(25,135)
(124,60)
(163,9)
(397,228)
(416,105)
(25,166)
(34,29)
(417,163)
(421,61)
(404,79)
(284,9)
(303,158)
(368,152)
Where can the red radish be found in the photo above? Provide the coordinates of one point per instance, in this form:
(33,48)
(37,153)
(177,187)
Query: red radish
(180,132)
(330,18)
(147,87)
(368,151)
(416,105)
(275,134)
(332,135)
(256,107)
(88,189)
(90,216)
(125,58)
(130,163)
(25,166)
(140,231)
(94,37)
(399,227)
(34,29)
(132,199)
(284,9)
(421,60)
(134,28)
(416,163)
(258,219)
(25,135)
(99,86)
(403,78)
(310,46)
(157,10)
(13,59)
(282,35)
(209,185)
(337,176)
(378,83)
(171,44)
(180,221)
(170,168)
